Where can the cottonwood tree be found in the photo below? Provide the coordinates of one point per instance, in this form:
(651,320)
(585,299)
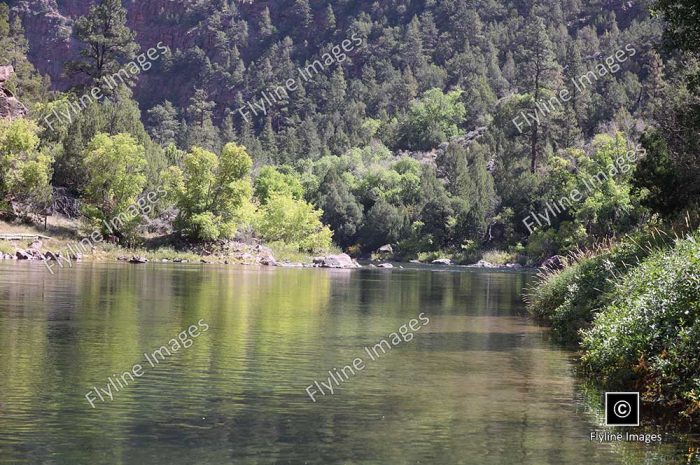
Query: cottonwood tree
(212,193)
(115,171)
(433,119)
(25,169)
(293,222)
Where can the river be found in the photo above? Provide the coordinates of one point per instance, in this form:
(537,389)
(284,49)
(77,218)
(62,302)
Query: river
(480,383)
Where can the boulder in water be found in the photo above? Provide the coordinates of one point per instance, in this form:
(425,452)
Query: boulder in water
(336,261)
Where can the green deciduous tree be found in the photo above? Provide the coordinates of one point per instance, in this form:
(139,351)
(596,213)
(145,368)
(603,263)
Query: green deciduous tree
(25,169)
(271,181)
(115,172)
(212,194)
(293,222)
(433,119)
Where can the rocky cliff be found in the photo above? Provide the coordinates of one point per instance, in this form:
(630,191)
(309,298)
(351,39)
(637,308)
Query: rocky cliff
(49,32)
(10,107)
(48,26)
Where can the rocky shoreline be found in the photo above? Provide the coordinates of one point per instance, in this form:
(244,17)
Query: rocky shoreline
(234,253)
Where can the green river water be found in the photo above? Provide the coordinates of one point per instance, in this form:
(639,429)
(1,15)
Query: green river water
(479,384)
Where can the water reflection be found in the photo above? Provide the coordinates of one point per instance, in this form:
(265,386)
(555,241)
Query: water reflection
(480,384)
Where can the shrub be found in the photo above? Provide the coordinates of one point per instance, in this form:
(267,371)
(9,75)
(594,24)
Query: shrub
(294,222)
(649,335)
(569,299)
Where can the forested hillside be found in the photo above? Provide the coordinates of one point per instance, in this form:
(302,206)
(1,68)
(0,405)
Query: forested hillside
(444,128)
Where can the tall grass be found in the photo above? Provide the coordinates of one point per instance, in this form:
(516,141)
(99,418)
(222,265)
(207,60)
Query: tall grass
(569,298)
(648,336)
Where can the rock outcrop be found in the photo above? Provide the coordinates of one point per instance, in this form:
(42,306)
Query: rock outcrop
(553,263)
(385,250)
(10,107)
(336,261)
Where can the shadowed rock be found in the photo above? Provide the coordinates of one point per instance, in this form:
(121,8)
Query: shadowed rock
(10,107)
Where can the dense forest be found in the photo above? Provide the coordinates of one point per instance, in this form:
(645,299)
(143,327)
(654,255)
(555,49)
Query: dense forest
(443,128)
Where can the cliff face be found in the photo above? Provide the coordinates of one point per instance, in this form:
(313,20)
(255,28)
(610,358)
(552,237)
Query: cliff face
(48,26)
(49,33)
(10,107)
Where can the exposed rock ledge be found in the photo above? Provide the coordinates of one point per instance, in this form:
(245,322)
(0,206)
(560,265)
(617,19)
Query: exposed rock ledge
(336,261)
(485,264)
(10,107)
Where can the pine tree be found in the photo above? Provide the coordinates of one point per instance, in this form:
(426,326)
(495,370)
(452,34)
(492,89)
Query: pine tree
(655,83)
(265,27)
(330,19)
(228,129)
(341,210)
(268,140)
(337,88)
(412,47)
(573,71)
(252,144)
(538,74)
(310,141)
(303,14)
(508,69)
(200,108)
(164,127)
(108,44)
(201,131)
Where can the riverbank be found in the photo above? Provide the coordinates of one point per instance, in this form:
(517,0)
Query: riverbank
(62,242)
(633,310)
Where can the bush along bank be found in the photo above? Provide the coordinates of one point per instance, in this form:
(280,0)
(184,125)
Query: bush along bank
(569,298)
(634,308)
